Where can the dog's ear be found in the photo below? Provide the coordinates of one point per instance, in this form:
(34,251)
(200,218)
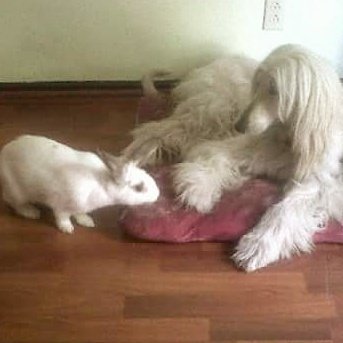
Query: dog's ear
(309,100)
(311,133)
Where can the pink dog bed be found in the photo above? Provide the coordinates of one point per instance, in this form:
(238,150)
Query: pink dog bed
(235,214)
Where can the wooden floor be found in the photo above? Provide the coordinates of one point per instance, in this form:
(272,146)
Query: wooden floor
(101,286)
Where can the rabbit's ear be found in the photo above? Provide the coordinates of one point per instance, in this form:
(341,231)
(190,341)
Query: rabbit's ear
(114,164)
(142,156)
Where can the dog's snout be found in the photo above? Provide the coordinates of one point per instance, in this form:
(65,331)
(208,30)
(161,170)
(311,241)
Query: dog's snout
(241,124)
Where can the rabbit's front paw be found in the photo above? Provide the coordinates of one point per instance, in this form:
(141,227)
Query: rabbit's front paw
(66,227)
(63,222)
(84,219)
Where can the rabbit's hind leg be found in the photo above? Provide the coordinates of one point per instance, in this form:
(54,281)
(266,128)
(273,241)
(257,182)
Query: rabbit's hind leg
(22,208)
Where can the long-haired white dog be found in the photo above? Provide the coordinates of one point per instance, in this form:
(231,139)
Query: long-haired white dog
(301,97)
(297,101)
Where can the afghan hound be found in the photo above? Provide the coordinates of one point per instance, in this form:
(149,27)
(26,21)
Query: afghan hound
(299,99)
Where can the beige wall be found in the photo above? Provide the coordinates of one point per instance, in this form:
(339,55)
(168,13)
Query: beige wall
(121,39)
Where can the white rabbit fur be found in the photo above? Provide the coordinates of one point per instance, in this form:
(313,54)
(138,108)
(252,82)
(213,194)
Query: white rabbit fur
(38,170)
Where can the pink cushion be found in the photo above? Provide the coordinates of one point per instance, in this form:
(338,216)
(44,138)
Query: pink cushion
(235,214)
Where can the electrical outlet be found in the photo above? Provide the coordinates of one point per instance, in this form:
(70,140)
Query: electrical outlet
(273,15)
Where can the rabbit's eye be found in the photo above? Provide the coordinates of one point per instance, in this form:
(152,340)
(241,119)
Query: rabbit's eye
(139,187)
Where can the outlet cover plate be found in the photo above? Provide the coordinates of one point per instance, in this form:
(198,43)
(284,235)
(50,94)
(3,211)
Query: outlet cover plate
(273,15)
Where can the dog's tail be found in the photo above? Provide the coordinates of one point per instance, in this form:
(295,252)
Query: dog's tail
(148,85)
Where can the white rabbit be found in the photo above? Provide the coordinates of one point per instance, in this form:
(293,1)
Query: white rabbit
(38,170)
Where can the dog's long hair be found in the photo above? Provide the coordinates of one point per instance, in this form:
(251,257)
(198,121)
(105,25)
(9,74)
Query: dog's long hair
(309,99)
(297,97)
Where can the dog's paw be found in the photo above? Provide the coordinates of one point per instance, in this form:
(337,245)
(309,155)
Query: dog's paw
(194,188)
(195,196)
(254,252)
